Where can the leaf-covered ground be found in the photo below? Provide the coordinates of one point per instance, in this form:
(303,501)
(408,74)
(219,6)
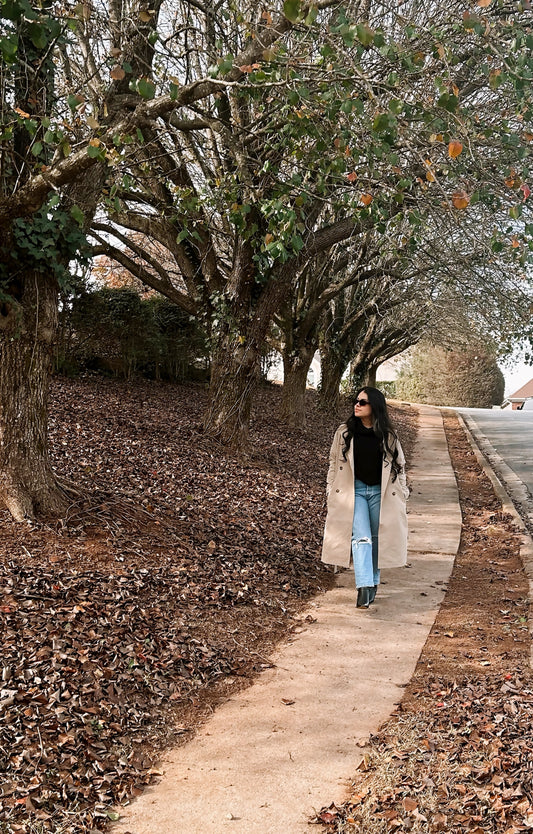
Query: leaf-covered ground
(457,755)
(164,589)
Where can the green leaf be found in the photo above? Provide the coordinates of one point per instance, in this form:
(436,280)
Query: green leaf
(311,16)
(348,34)
(396,106)
(37,148)
(113,816)
(9,46)
(448,102)
(38,35)
(77,215)
(365,34)
(291,10)
(225,64)
(95,152)
(146,88)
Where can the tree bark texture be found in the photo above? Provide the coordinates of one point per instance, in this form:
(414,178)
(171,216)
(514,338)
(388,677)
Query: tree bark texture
(235,372)
(332,369)
(28,324)
(295,369)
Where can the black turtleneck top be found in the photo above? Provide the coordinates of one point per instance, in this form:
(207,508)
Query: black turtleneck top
(367,455)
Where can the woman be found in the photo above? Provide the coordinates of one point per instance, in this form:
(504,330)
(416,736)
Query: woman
(367,491)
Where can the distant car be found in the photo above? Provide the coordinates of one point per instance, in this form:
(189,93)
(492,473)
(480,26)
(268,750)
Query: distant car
(527,404)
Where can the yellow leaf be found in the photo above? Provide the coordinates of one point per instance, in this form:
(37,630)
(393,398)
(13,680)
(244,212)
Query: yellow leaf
(455,89)
(430,176)
(515,243)
(455,148)
(92,122)
(483,4)
(460,199)
(267,17)
(95,143)
(441,51)
(269,238)
(366,199)
(145,15)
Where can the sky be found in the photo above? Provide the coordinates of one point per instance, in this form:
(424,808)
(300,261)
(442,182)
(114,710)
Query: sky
(516,374)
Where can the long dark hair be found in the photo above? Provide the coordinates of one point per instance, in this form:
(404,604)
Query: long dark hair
(382,426)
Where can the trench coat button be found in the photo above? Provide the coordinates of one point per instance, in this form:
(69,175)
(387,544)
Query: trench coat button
(340,467)
(394,493)
(337,490)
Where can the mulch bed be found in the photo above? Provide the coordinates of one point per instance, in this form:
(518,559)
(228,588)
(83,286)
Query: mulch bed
(456,755)
(163,589)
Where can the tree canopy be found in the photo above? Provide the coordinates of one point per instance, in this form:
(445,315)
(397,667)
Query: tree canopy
(245,143)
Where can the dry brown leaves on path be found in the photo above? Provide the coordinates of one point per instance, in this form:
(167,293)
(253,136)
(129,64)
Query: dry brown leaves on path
(456,755)
(164,589)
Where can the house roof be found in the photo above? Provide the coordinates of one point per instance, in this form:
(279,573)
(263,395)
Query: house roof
(525,391)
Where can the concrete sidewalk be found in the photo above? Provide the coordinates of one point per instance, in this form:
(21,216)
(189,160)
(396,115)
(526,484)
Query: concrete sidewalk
(290,743)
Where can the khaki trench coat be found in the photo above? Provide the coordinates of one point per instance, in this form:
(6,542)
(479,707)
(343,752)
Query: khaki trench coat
(392,536)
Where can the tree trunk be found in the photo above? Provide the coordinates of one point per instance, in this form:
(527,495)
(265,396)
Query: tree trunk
(28,326)
(332,369)
(235,372)
(371,375)
(295,369)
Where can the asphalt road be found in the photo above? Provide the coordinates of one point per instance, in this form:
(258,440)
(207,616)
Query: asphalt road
(511,435)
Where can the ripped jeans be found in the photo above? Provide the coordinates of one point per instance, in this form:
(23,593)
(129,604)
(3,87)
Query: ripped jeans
(365,534)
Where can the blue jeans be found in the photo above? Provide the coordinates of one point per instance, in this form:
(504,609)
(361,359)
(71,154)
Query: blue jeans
(365,534)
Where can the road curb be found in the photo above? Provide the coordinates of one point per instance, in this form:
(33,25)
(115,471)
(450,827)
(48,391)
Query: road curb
(486,456)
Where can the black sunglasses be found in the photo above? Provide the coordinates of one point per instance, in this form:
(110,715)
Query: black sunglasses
(361,402)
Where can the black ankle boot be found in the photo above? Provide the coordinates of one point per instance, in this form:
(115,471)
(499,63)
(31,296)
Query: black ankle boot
(363,597)
(373,592)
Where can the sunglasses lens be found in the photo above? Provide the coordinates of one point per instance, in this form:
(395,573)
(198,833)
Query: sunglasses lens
(361,402)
